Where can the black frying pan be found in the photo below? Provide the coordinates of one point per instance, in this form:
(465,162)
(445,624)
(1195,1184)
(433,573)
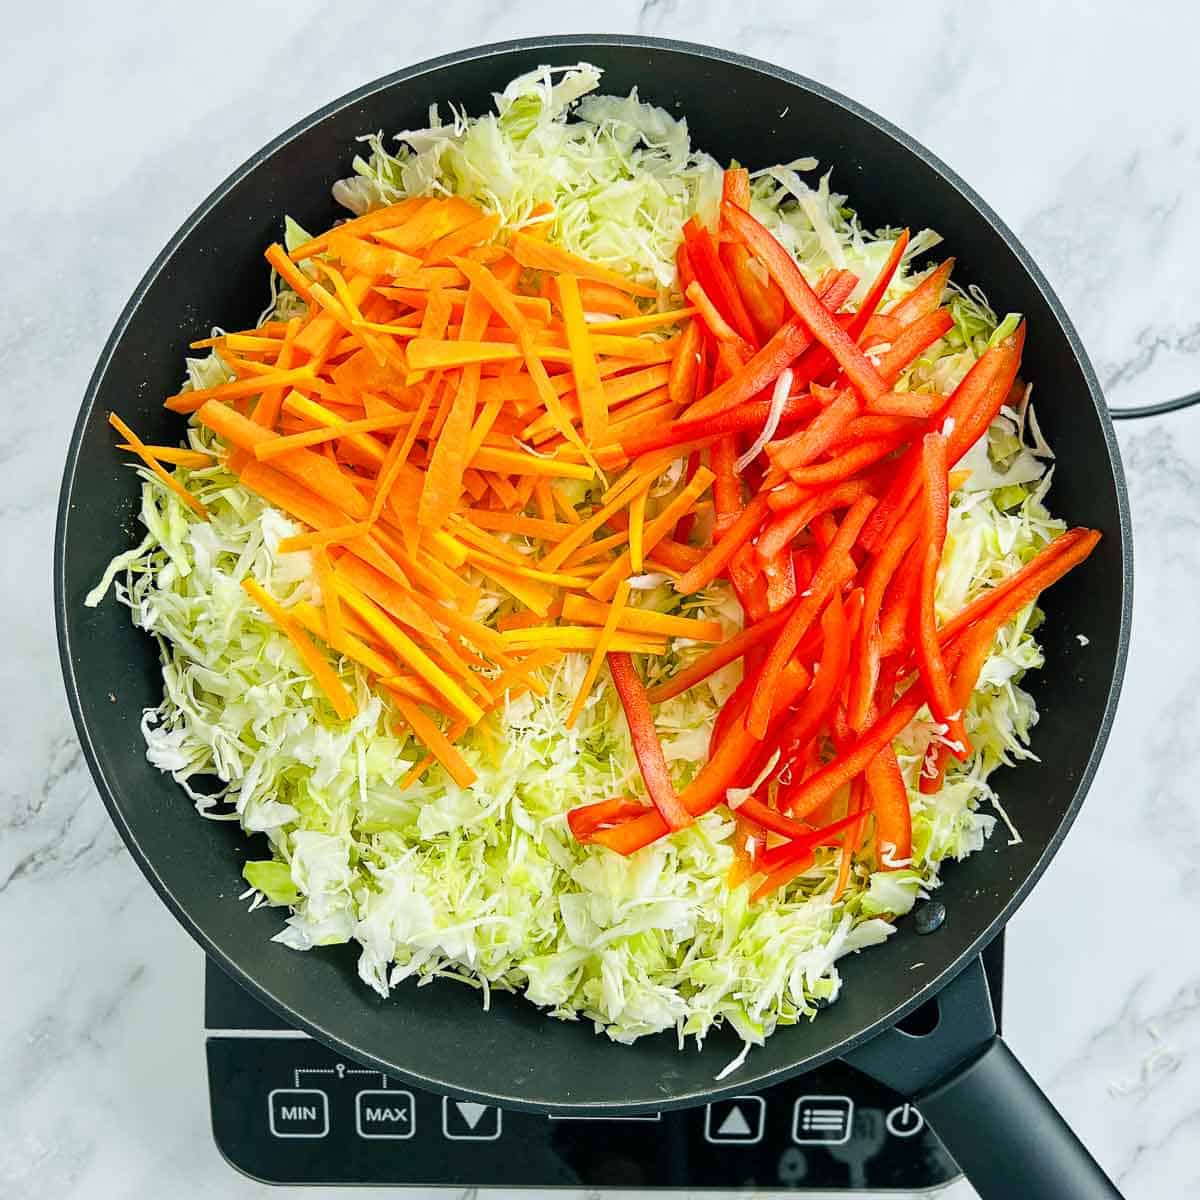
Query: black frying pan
(987,1110)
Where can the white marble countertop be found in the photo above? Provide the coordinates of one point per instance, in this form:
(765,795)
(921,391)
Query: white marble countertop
(1077,121)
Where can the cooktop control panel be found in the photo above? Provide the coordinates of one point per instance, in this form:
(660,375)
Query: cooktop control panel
(287,1110)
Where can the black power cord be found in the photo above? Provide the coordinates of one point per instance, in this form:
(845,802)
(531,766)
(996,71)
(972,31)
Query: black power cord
(1155,410)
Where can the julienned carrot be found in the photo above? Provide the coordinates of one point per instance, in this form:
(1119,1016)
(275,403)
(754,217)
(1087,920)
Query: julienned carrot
(612,620)
(264,451)
(592,404)
(326,677)
(143,452)
(539,255)
(177,456)
(641,620)
(435,741)
(239,389)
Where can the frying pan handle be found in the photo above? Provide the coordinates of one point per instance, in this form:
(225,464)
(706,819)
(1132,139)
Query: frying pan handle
(1007,1136)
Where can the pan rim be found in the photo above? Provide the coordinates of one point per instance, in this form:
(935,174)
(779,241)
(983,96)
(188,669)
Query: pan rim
(747,1078)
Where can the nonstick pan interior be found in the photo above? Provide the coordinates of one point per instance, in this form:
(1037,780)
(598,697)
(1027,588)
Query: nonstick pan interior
(438,1036)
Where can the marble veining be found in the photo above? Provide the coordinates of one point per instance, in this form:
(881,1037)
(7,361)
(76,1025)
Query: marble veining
(1076,121)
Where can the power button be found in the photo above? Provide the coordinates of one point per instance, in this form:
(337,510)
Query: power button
(904,1121)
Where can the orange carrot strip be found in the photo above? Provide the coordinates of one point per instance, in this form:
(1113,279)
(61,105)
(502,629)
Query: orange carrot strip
(584,530)
(407,650)
(194,460)
(368,223)
(516,462)
(143,452)
(538,255)
(323,537)
(288,271)
(239,389)
(592,403)
(603,642)
(641,620)
(313,437)
(656,530)
(582,637)
(323,673)
(641,324)
(481,229)
(435,740)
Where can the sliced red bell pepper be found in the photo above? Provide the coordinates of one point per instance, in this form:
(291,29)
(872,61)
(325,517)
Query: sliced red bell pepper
(683,267)
(836,566)
(715,280)
(911,342)
(794,858)
(763,300)
(893,813)
(799,731)
(879,575)
(731,541)
(858,325)
(727,487)
(804,302)
(745,573)
(719,656)
(907,404)
(809,444)
(788,342)
(708,788)
(780,575)
(587,818)
(646,744)
(853,839)
(933,532)
(685,366)
(847,464)
(731,710)
(925,297)
(790,524)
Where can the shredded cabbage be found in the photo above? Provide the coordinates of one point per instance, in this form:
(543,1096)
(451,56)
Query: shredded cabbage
(485,884)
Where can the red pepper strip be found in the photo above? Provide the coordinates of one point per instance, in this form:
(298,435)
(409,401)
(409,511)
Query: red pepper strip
(878,426)
(718,327)
(879,575)
(846,465)
(745,573)
(908,404)
(809,444)
(763,300)
(783,269)
(799,856)
(1050,563)
(731,541)
(853,838)
(925,297)
(893,814)
(646,745)
(780,575)
(880,328)
(836,566)
(974,424)
(860,322)
(683,527)
(789,524)
(719,656)
(708,788)
(735,186)
(815,790)
(683,267)
(727,488)
(733,708)
(796,735)
(994,609)
(912,341)
(681,378)
(750,415)
(787,343)
(894,620)
(587,818)
(715,281)
(929,652)
(963,402)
